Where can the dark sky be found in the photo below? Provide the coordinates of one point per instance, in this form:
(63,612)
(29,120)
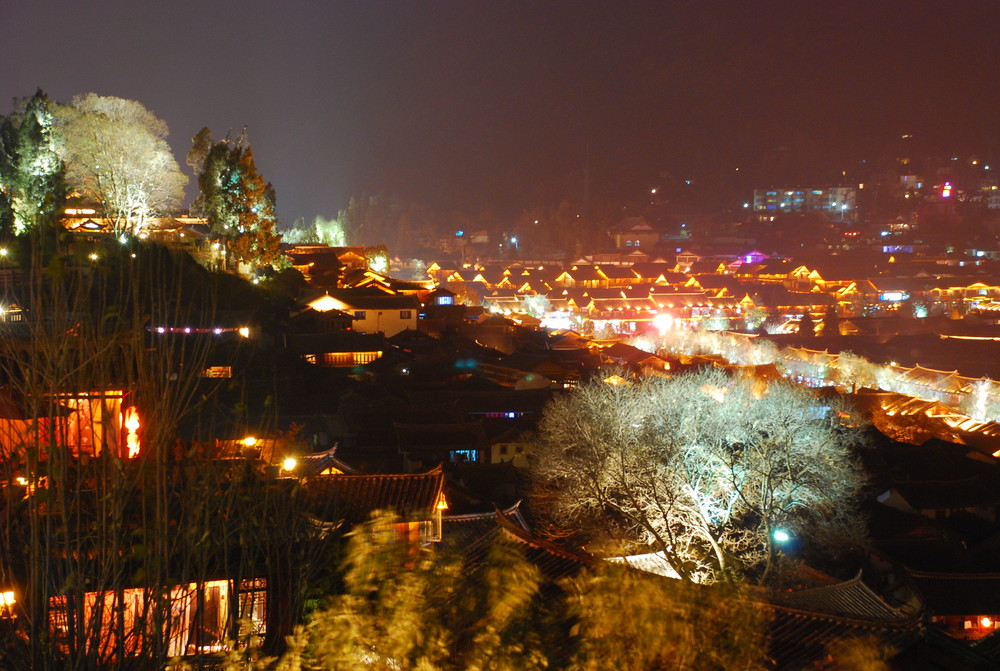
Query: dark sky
(501,104)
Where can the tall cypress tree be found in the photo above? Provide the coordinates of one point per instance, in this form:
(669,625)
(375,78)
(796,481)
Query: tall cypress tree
(831,322)
(234,197)
(32,176)
(807,326)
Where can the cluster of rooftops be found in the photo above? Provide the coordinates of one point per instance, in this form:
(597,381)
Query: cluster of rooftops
(695,287)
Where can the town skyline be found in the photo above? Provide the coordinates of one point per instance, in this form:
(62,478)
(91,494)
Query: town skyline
(505,108)
(449,335)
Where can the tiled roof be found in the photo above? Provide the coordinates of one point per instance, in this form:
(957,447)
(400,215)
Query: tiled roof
(718,282)
(618,272)
(365,299)
(773,295)
(354,498)
(553,561)
(959,593)
(989,647)
(849,599)
(800,638)
(463,531)
(804,623)
(317,462)
(345,341)
(653,270)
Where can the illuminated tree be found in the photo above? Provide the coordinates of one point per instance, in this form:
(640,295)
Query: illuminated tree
(635,622)
(330,231)
(702,468)
(117,155)
(754,317)
(32,176)
(537,305)
(406,609)
(855,371)
(981,403)
(378,258)
(234,197)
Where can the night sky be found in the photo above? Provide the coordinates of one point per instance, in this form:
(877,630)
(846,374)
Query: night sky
(504,105)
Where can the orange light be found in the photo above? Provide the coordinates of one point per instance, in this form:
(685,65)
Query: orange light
(985,621)
(132,442)
(7,602)
(442,503)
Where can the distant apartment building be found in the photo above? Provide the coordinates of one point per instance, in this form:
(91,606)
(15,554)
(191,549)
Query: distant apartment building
(838,203)
(993,199)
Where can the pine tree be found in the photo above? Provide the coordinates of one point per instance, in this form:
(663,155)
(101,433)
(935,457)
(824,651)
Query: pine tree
(807,326)
(234,197)
(831,322)
(255,241)
(32,177)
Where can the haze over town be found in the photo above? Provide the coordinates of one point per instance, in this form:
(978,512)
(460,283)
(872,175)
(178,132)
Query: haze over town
(523,335)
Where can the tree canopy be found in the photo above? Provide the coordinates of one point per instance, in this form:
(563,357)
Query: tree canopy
(703,468)
(428,611)
(117,156)
(234,197)
(32,176)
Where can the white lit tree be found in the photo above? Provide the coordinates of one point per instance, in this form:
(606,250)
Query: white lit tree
(32,176)
(330,231)
(116,154)
(855,371)
(703,468)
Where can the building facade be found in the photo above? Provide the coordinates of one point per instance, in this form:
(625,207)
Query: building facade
(838,203)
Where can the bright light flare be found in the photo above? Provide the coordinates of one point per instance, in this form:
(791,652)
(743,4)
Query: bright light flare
(442,502)
(289,464)
(663,323)
(132,442)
